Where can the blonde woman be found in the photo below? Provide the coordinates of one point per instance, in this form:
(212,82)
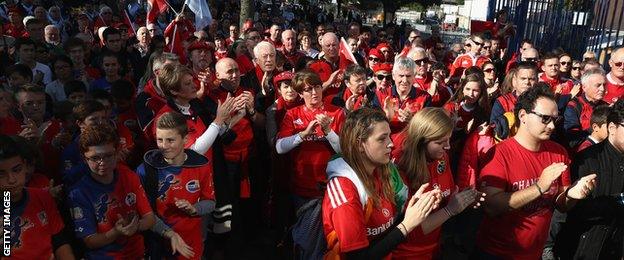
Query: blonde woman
(422,156)
(365,193)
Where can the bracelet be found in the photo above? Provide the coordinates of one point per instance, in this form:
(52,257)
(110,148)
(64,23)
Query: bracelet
(539,189)
(404,228)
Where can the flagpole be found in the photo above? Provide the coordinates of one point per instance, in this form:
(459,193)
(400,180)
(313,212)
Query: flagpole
(175,28)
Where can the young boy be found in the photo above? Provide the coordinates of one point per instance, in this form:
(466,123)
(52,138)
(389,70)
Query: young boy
(36,225)
(598,123)
(76,91)
(108,204)
(178,183)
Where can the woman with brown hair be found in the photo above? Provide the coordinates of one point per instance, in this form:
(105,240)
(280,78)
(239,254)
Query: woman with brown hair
(365,193)
(469,107)
(423,159)
(308,133)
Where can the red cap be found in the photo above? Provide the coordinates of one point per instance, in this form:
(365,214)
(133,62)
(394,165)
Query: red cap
(382,67)
(286,75)
(376,53)
(199,45)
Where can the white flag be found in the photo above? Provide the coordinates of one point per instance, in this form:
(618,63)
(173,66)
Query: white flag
(203,17)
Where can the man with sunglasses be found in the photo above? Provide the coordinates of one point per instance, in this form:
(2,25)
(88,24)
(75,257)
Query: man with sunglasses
(432,82)
(382,79)
(524,179)
(471,58)
(565,64)
(552,76)
(579,110)
(615,78)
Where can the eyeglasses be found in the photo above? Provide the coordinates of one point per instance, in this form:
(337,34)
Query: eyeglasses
(100,159)
(381,77)
(488,70)
(530,59)
(374,59)
(422,61)
(576,68)
(546,119)
(565,62)
(618,64)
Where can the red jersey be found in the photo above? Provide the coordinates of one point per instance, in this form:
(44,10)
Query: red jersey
(416,100)
(614,90)
(343,212)
(443,93)
(95,208)
(465,61)
(419,245)
(38,181)
(34,220)
(15,31)
(311,156)
(52,158)
(520,234)
(220,54)
(192,182)
(239,149)
(553,83)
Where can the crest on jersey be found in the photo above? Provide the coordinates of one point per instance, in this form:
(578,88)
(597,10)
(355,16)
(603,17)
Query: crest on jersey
(298,121)
(385,212)
(441,167)
(130,199)
(192,186)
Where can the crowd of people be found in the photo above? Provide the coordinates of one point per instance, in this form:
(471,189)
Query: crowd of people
(123,141)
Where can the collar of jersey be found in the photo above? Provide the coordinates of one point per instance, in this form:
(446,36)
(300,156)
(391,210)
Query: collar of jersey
(155,159)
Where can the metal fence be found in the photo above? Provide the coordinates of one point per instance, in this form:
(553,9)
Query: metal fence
(574,25)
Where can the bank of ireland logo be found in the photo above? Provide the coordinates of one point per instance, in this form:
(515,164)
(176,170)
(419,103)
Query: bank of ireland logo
(441,167)
(130,199)
(192,186)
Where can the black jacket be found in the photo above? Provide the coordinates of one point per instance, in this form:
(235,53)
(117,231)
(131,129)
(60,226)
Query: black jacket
(595,226)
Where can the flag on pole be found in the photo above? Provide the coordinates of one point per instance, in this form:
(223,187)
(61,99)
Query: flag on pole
(203,17)
(128,21)
(155,8)
(346,56)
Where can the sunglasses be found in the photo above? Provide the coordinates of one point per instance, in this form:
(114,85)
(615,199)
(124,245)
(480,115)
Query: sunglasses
(576,68)
(618,64)
(374,59)
(478,43)
(488,70)
(381,77)
(422,61)
(565,62)
(546,119)
(531,59)
(487,47)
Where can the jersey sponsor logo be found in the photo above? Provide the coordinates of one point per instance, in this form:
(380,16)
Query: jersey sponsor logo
(164,186)
(18,227)
(298,121)
(43,218)
(380,229)
(77,213)
(130,199)
(192,186)
(465,63)
(441,167)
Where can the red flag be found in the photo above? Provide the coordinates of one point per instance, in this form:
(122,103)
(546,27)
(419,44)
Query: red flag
(127,21)
(405,50)
(346,56)
(155,8)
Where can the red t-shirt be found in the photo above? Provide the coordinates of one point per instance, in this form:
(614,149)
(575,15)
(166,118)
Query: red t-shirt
(324,69)
(33,228)
(344,213)
(520,234)
(38,180)
(614,91)
(240,148)
(461,113)
(52,158)
(10,126)
(311,156)
(418,245)
(465,61)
